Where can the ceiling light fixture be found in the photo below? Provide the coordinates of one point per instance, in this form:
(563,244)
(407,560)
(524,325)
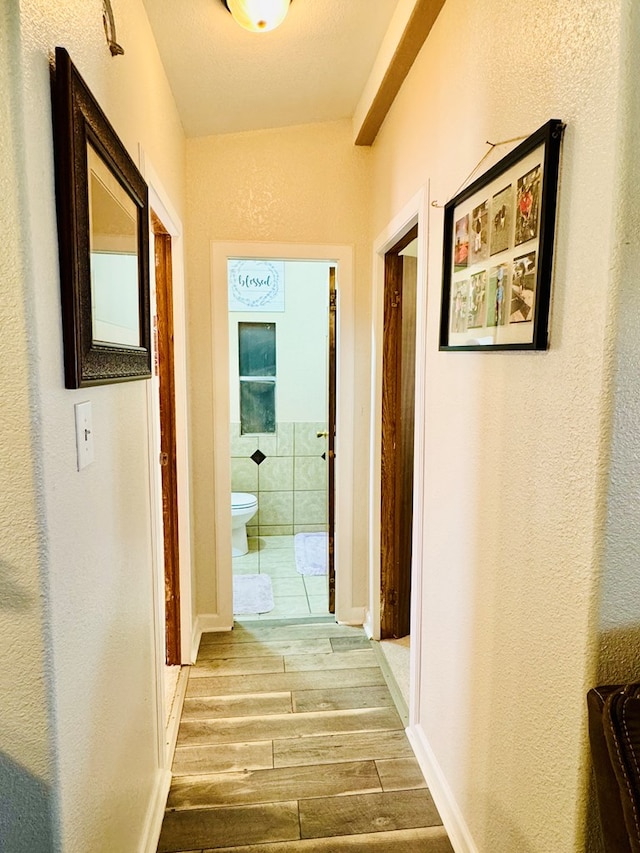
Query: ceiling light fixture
(258,16)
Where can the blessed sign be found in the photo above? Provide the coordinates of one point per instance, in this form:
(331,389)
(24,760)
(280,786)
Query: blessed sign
(256,285)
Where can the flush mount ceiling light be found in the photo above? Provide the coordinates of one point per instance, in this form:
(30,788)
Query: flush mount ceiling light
(258,16)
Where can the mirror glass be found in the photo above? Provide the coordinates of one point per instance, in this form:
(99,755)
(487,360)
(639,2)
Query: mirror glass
(113,247)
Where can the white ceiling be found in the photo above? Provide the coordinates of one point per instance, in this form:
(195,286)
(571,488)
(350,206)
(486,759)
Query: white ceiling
(312,68)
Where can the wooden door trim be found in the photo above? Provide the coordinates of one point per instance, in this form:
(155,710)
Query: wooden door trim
(331,443)
(168,453)
(389,546)
(394,578)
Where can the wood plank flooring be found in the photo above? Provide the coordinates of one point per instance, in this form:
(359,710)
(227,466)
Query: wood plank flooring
(290,743)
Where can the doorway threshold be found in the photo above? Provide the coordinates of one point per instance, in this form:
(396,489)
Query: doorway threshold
(294,620)
(396,693)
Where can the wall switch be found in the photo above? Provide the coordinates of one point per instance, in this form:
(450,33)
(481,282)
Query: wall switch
(84,434)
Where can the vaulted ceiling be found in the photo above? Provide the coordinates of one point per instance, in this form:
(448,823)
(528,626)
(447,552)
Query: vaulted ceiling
(313,68)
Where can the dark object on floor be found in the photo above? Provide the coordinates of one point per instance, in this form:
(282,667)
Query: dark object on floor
(614,734)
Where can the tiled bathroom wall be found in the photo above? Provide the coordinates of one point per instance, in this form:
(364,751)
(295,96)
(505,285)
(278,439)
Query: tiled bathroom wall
(287,473)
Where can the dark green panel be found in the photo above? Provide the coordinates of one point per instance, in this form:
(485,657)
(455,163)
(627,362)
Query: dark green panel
(257,407)
(257,349)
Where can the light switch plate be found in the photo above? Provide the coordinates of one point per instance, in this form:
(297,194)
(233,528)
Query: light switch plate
(84,434)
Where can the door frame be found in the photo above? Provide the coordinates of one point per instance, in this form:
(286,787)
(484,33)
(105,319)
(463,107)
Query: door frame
(342,257)
(163,341)
(159,200)
(414,212)
(395,568)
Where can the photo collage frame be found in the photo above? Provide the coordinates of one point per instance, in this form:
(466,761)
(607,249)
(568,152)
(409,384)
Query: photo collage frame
(498,250)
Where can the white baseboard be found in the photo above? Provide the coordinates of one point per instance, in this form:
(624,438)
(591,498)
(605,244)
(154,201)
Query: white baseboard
(195,639)
(171,731)
(452,818)
(367,624)
(351,616)
(155,813)
(205,623)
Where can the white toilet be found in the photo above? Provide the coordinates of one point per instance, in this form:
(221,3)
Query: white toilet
(243,508)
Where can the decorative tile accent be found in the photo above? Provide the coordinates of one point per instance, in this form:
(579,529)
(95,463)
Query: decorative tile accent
(258,457)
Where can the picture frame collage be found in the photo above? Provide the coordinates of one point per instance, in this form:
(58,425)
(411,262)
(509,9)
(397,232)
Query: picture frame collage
(498,251)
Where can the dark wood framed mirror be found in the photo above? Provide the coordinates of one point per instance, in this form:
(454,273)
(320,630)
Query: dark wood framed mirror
(103,234)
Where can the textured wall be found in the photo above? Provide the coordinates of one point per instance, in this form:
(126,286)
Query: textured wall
(25,766)
(302,185)
(96,523)
(516,443)
(620,607)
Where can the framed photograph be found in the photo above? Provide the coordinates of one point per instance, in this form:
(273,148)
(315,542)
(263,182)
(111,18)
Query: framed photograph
(103,236)
(498,251)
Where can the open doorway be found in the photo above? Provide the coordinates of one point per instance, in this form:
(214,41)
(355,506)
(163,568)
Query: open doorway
(166,392)
(349,608)
(282,430)
(397,454)
(398,406)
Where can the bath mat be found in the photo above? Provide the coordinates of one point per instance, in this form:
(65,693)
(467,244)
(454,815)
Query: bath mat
(311,553)
(252,594)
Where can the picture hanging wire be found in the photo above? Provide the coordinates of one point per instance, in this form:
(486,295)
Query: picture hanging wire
(110,29)
(479,163)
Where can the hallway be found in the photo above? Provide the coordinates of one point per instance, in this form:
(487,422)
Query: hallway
(290,743)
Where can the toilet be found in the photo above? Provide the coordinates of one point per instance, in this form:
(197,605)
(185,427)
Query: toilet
(243,508)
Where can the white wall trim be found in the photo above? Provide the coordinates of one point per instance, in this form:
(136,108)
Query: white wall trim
(450,812)
(416,210)
(422,201)
(196,636)
(400,224)
(161,204)
(155,813)
(342,255)
(208,622)
(352,616)
(173,724)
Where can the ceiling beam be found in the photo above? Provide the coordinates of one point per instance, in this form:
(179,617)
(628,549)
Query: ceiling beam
(414,35)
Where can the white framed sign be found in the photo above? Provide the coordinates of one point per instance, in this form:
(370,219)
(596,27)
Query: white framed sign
(256,285)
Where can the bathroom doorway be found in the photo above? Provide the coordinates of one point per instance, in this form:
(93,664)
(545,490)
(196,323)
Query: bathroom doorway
(282,386)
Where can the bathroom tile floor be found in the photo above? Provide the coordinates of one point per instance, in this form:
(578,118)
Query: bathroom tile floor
(295,595)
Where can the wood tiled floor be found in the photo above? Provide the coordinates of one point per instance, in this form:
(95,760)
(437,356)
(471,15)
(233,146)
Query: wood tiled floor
(290,743)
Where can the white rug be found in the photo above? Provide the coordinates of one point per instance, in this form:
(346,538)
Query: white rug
(252,594)
(311,551)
